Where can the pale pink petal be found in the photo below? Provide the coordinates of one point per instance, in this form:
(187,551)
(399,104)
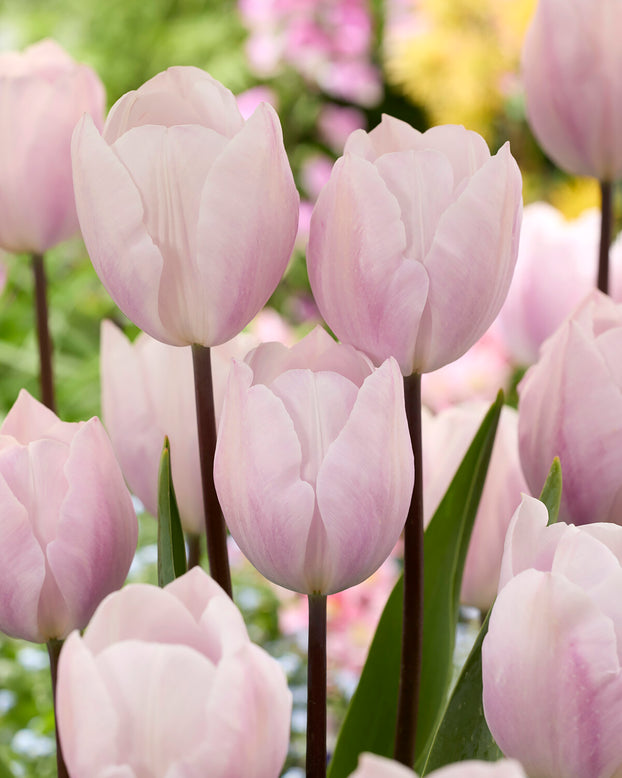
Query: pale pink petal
(466,150)
(390,135)
(504,768)
(28,419)
(374,766)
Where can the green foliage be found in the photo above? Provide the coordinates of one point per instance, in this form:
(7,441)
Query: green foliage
(171,547)
(370,721)
(551,494)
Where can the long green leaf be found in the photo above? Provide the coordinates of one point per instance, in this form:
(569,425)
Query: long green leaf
(171,547)
(551,494)
(369,724)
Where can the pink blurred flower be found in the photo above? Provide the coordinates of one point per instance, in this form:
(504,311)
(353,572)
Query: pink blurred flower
(43,93)
(313,463)
(315,174)
(251,99)
(166,682)
(551,658)
(572,71)
(446,438)
(336,123)
(571,407)
(189,213)
(69,530)
(413,242)
(373,766)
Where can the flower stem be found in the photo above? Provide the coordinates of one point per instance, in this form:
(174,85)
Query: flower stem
(412,625)
(194,550)
(54,647)
(216,530)
(45,342)
(606,207)
(316,688)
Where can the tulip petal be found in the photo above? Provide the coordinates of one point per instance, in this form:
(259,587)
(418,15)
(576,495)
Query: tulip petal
(247,225)
(365,483)
(29,420)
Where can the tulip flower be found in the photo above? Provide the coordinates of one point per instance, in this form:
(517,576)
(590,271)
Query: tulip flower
(372,766)
(572,71)
(43,93)
(314,468)
(571,407)
(189,214)
(446,438)
(166,682)
(69,529)
(551,658)
(413,242)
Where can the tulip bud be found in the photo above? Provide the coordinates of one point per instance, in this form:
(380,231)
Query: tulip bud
(413,242)
(571,407)
(43,93)
(552,684)
(314,467)
(189,214)
(572,69)
(166,682)
(69,530)
(373,766)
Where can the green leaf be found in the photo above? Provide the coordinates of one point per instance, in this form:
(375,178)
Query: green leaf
(369,724)
(551,494)
(171,547)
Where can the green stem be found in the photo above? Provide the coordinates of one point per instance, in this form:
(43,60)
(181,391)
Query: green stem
(216,530)
(606,207)
(54,647)
(43,332)
(194,550)
(412,625)
(316,688)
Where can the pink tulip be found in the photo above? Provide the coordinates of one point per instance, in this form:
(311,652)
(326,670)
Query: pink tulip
(413,242)
(373,766)
(43,93)
(69,529)
(166,682)
(551,658)
(571,407)
(446,438)
(189,213)
(572,70)
(314,467)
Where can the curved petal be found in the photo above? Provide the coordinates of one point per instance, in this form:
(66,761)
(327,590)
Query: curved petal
(365,483)
(247,225)
(112,222)
(374,766)
(470,768)
(390,135)
(257,472)
(28,420)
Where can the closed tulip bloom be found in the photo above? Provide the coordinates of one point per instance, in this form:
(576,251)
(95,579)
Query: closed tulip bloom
(446,438)
(188,212)
(551,658)
(43,93)
(166,682)
(68,529)
(373,766)
(572,71)
(314,467)
(571,407)
(413,242)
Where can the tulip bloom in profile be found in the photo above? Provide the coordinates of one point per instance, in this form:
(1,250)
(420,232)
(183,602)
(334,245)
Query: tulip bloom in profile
(572,71)
(571,407)
(43,93)
(551,658)
(166,682)
(413,242)
(189,214)
(314,468)
(373,766)
(68,531)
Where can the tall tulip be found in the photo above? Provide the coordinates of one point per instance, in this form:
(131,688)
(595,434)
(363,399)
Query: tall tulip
(571,407)
(68,531)
(166,682)
(551,658)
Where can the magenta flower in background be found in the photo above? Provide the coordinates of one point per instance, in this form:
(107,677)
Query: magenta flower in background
(373,766)
(68,531)
(551,658)
(572,71)
(314,467)
(43,93)
(189,214)
(413,242)
(571,407)
(337,122)
(166,682)
(446,438)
